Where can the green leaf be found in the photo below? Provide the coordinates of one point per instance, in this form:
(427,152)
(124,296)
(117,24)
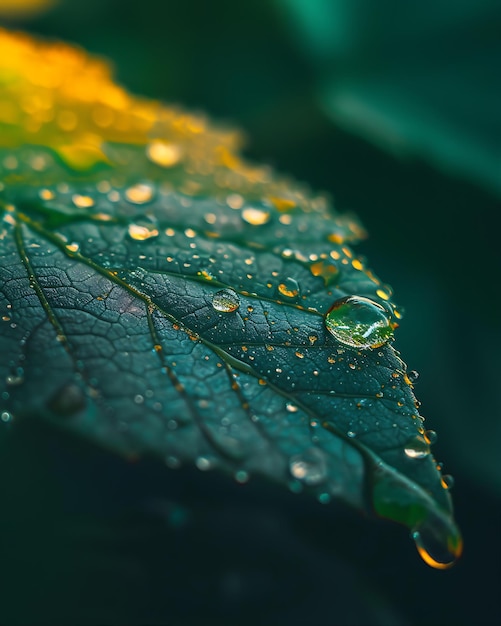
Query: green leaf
(165,298)
(415,82)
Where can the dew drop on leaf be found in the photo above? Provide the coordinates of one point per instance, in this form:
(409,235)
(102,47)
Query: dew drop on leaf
(5,417)
(83,202)
(139,194)
(289,288)
(226,301)
(433,552)
(417,448)
(255,217)
(430,436)
(359,322)
(309,467)
(447,481)
(140,231)
(413,375)
(164,154)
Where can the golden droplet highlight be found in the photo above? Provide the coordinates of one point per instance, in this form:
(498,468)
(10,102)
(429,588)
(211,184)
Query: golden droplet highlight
(83,202)
(141,232)
(255,216)
(282,204)
(163,153)
(325,270)
(139,194)
(47,194)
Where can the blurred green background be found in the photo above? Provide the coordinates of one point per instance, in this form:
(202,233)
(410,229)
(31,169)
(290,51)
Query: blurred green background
(394,110)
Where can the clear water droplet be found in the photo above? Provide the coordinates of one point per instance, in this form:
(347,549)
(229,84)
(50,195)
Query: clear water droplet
(226,301)
(290,407)
(203,463)
(310,467)
(417,448)
(430,436)
(359,322)
(289,288)
(142,230)
(5,417)
(433,551)
(413,375)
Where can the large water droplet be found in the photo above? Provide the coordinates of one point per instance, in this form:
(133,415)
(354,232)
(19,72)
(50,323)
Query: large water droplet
(434,552)
(226,301)
(309,467)
(163,153)
(359,322)
(417,448)
(142,230)
(289,288)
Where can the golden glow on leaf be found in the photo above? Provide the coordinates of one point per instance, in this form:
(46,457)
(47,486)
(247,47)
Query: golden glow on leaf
(24,8)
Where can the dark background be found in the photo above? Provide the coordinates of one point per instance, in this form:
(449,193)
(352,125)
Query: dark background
(91,539)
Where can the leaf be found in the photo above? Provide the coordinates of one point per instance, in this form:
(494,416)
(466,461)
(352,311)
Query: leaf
(412,81)
(162,297)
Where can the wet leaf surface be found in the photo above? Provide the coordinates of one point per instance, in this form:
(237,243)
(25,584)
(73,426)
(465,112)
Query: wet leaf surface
(162,297)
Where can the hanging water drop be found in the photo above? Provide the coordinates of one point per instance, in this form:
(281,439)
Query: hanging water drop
(447,481)
(434,551)
(417,448)
(226,301)
(310,467)
(289,288)
(359,322)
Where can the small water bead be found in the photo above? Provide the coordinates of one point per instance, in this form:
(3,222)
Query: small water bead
(255,217)
(142,230)
(447,481)
(5,417)
(430,436)
(310,467)
(359,322)
(413,375)
(417,448)
(226,301)
(289,288)
(291,408)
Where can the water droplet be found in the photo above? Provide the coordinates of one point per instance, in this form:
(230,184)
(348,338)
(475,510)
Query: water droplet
(289,288)
(241,476)
(324,498)
(15,379)
(255,217)
(291,408)
(203,463)
(417,448)
(83,202)
(67,400)
(72,247)
(359,322)
(434,553)
(430,436)
(351,434)
(447,481)
(142,230)
(226,301)
(5,417)
(309,467)
(413,375)
(163,153)
(139,194)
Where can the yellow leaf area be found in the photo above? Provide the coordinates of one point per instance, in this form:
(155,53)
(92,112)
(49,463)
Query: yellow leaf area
(21,8)
(56,96)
